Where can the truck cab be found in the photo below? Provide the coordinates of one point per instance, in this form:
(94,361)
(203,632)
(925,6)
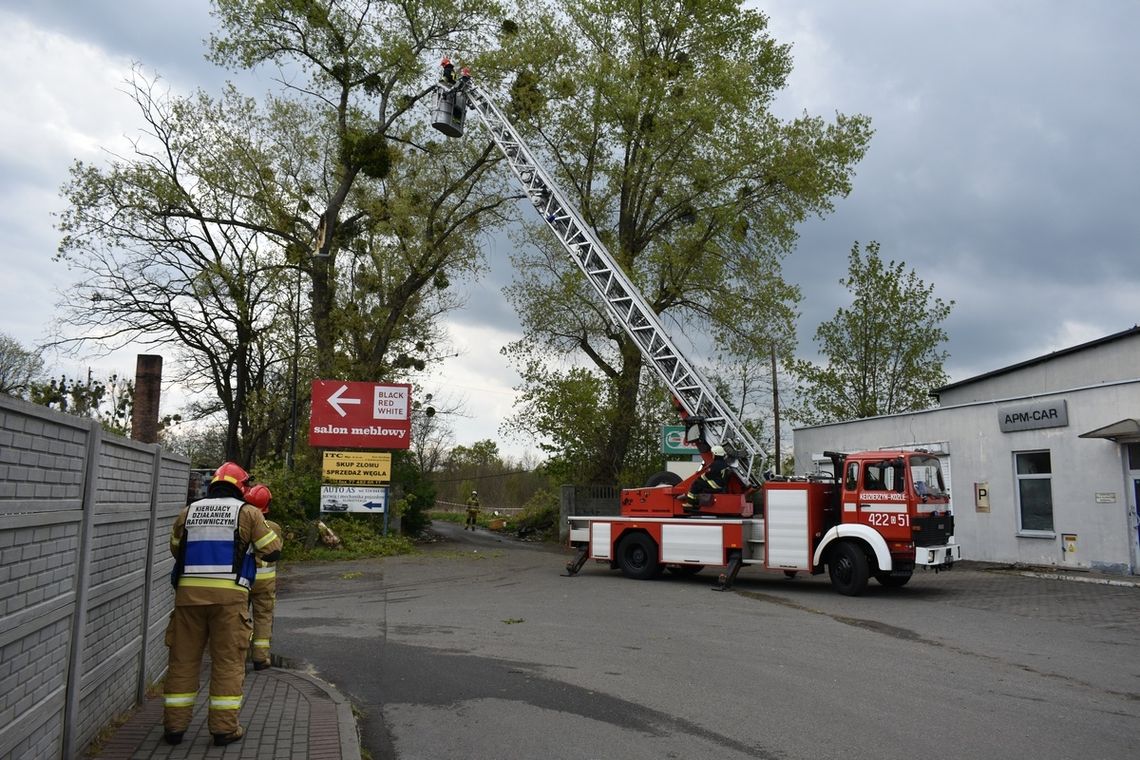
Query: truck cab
(893,509)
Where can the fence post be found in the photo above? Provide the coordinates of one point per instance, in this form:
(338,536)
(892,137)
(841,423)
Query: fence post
(148,577)
(83,585)
(566,508)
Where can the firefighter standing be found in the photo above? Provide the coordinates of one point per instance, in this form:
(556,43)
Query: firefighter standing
(215,542)
(263,595)
(472,510)
(712,480)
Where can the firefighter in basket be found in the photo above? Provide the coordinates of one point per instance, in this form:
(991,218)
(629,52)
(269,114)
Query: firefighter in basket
(711,481)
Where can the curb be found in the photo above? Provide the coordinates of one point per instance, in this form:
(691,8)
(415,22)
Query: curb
(346,721)
(1055,574)
(1052,576)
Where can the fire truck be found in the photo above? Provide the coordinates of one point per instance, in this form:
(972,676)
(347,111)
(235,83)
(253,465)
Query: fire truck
(877,514)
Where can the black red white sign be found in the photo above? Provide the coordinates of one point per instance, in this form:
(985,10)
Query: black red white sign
(359,415)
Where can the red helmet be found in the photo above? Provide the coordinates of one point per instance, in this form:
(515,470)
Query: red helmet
(231,472)
(259,496)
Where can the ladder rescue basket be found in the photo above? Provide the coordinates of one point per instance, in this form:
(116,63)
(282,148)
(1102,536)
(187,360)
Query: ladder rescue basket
(450,113)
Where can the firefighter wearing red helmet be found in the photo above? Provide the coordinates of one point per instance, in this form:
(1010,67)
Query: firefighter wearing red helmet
(215,542)
(263,595)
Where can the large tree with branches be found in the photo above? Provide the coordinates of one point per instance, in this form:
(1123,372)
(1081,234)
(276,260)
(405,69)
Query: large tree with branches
(231,215)
(655,118)
(882,354)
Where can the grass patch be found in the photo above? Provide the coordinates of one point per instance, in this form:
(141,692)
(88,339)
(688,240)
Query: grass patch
(454,517)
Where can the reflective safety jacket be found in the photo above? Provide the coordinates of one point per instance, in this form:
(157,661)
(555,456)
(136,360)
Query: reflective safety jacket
(216,542)
(267,571)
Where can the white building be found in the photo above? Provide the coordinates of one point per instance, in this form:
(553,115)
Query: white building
(1042,458)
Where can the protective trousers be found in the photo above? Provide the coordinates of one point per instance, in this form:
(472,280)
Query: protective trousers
(264,597)
(226,628)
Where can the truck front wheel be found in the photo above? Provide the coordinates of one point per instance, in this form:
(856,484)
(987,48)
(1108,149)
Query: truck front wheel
(637,557)
(848,569)
(892,581)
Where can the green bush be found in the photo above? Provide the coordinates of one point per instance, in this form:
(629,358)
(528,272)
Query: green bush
(539,517)
(296,494)
(417,494)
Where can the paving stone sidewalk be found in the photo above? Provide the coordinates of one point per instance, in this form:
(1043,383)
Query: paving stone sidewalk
(286,714)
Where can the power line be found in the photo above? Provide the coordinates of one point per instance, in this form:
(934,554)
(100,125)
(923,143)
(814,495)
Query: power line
(475,477)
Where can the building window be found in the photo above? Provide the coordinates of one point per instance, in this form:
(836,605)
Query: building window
(1134,456)
(1034,491)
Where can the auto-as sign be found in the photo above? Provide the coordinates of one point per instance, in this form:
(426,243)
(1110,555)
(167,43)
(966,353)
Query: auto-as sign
(356,415)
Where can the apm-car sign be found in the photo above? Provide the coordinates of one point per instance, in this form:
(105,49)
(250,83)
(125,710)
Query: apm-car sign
(356,415)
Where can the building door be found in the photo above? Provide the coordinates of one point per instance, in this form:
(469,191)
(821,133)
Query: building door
(1133,456)
(1136,526)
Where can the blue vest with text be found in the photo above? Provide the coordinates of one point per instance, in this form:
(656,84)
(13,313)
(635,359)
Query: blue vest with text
(213,546)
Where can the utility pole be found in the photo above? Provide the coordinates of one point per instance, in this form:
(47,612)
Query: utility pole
(296,350)
(776,409)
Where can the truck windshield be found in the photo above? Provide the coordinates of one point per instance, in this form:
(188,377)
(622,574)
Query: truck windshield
(926,474)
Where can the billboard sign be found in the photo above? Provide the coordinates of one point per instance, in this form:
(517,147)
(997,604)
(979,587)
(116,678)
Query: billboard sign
(365,467)
(360,415)
(1043,414)
(342,499)
(673,441)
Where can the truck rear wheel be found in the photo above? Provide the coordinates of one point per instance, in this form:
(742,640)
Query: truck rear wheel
(637,557)
(848,569)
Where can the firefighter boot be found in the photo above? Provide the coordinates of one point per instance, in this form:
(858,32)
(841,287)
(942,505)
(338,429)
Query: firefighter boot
(221,740)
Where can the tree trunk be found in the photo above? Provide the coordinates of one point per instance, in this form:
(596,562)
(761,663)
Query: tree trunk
(611,459)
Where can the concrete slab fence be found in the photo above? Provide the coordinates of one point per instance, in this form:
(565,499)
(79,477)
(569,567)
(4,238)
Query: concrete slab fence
(84,576)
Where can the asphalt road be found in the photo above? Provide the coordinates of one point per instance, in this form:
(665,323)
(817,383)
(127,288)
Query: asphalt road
(479,648)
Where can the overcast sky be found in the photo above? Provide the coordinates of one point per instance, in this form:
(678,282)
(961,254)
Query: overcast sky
(1003,166)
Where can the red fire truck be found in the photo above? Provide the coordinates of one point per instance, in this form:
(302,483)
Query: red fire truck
(879,513)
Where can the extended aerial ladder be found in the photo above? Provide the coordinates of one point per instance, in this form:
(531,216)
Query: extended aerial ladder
(694,395)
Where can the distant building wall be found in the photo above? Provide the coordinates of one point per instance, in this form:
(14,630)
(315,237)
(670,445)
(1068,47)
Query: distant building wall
(84,576)
(1117,358)
(1094,489)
